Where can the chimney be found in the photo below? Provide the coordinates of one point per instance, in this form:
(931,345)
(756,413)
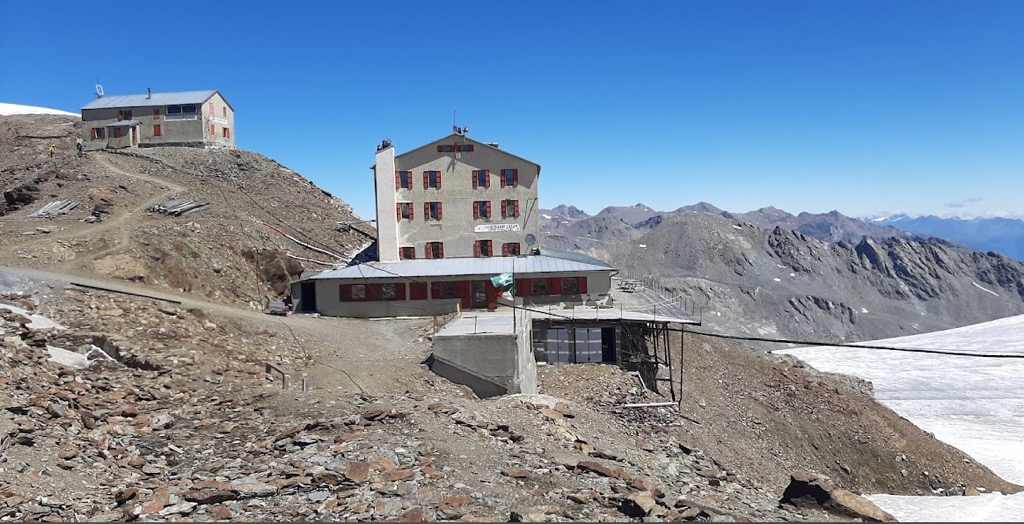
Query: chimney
(149,93)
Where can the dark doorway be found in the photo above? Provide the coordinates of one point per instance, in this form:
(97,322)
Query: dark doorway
(479,295)
(608,344)
(307,301)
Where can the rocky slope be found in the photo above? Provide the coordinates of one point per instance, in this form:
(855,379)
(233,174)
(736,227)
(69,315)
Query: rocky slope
(176,417)
(263,224)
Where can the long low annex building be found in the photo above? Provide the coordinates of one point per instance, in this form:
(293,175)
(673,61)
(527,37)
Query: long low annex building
(440,286)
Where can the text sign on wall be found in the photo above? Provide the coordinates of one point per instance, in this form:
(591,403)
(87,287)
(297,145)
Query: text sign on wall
(495,228)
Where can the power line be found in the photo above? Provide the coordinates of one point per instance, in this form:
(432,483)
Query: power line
(855,345)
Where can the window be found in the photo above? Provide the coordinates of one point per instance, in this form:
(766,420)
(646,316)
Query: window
(464,147)
(224,111)
(213,130)
(156,129)
(509,177)
(212,112)
(448,290)
(539,286)
(407,253)
(179,110)
(482,209)
(482,248)
(432,211)
(403,179)
(510,249)
(117,132)
(431,180)
(98,133)
(156,113)
(404,210)
(509,208)
(435,250)
(124,114)
(358,291)
(481,178)
(227,132)
(388,291)
(569,286)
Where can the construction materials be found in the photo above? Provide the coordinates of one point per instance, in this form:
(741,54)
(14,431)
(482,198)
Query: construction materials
(55,209)
(178,206)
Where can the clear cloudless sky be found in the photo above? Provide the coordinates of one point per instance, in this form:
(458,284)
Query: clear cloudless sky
(861,106)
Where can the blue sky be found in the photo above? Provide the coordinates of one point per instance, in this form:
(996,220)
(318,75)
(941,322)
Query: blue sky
(860,106)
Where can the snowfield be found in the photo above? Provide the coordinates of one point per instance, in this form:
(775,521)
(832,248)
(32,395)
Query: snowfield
(17,109)
(975,404)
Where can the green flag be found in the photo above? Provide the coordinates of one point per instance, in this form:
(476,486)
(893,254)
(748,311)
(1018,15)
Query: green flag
(504,279)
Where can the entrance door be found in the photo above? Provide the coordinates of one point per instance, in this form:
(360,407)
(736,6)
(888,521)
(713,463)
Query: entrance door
(307,302)
(479,294)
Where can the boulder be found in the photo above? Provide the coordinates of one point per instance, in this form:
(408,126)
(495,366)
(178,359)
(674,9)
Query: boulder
(810,489)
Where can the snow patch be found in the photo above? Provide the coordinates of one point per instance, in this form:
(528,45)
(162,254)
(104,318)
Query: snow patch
(777,279)
(737,227)
(18,109)
(863,310)
(546,216)
(983,289)
(974,404)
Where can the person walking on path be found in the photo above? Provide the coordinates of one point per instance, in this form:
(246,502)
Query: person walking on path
(53,149)
(79,144)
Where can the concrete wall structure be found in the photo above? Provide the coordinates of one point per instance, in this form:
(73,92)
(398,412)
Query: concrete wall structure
(492,355)
(207,120)
(458,227)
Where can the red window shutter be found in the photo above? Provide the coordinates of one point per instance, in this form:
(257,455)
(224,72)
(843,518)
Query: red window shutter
(426,211)
(476,248)
(398,180)
(412,213)
(417,291)
(476,181)
(476,209)
(487,211)
(345,292)
(503,215)
(517,209)
(435,290)
(428,254)
(555,286)
(439,206)
(439,180)
(581,284)
(440,248)
(440,149)
(504,249)
(524,287)
(426,179)
(515,177)
(398,211)
(501,179)
(487,178)
(400,291)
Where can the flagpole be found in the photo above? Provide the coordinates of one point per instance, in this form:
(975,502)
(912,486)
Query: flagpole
(514,332)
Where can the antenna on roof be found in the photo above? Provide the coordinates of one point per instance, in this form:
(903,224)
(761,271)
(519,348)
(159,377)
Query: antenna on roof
(455,112)
(99,89)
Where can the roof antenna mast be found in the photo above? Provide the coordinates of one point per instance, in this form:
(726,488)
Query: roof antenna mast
(454,113)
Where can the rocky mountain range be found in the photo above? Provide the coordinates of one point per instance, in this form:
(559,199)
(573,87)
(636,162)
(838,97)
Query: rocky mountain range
(808,277)
(1000,234)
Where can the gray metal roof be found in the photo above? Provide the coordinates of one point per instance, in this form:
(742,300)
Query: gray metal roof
(156,99)
(123,123)
(440,267)
(575,256)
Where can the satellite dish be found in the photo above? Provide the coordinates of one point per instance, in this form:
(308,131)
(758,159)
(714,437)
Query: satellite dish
(99,91)
(530,239)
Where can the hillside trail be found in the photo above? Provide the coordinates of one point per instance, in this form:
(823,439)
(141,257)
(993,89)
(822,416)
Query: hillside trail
(341,356)
(115,223)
